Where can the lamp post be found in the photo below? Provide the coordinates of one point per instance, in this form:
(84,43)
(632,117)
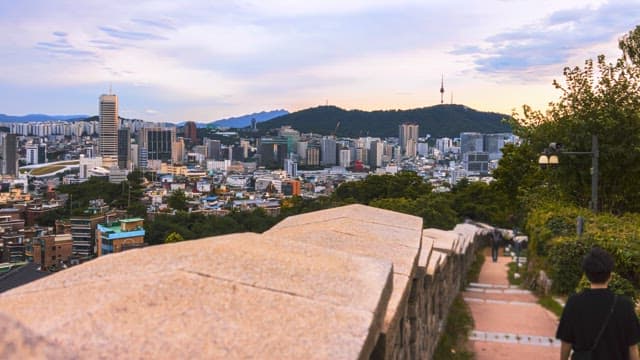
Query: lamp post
(550,158)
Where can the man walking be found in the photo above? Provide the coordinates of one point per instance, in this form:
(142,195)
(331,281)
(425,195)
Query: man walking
(597,321)
(496,239)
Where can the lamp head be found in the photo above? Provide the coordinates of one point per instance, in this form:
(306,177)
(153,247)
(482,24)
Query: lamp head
(543,161)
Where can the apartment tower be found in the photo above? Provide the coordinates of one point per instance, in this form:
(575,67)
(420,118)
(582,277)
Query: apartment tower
(408,134)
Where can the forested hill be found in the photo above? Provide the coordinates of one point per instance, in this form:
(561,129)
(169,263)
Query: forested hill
(439,121)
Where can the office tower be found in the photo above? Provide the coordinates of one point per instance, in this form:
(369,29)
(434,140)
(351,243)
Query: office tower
(158,142)
(108,147)
(124,148)
(214,148)
(471,142)
(10,154)
(476,162)
(273,151)
(493,144)
(301,150)
(408,135)
(328,151)
(191,132)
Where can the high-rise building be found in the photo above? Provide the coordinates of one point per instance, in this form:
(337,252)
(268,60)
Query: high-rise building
(328,151)
(159,142)
(471,142)
(345,157)
(124,148)
(313,156)
(178,151)
(108,147)
(273,151)
(191,132)
(444,144)
(214,149)
(376,151)
(10,154)
(143,157)
(408,134)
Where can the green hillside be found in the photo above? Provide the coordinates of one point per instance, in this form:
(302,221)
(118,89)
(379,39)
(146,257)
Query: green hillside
(439,121)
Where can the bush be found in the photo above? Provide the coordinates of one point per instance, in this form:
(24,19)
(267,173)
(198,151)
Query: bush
(617,284)
(565,264)
(555,248)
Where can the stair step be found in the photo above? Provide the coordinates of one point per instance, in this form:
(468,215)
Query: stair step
(537,340)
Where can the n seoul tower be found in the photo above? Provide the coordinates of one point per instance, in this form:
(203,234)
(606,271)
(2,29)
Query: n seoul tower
(442,90)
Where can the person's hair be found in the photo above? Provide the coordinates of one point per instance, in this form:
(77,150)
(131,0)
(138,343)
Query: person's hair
(597,265)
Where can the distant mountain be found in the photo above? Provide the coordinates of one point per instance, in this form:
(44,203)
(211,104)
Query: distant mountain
(39,118)
(439,121)
(245,120)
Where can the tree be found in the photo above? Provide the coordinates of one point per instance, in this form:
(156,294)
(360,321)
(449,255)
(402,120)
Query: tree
(601,99)
(177,200)
(173,237)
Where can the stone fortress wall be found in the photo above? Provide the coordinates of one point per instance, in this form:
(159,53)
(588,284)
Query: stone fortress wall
(353,282)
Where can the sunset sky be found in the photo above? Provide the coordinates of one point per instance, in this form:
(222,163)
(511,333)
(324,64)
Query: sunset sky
(203,60)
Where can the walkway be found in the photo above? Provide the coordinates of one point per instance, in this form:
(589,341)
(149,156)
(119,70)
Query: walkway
(509,324)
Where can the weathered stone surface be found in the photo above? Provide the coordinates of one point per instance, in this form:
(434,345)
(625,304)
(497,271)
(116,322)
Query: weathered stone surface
(19,342)
(344,283)
(355,212)
(186,315)
(279,283)
(443,240)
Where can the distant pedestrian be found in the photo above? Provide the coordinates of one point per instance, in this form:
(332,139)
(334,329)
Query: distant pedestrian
(496,240)
(596,323)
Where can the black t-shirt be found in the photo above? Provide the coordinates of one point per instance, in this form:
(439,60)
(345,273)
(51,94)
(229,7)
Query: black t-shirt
(584,315)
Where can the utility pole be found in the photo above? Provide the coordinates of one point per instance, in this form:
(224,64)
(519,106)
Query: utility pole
(595,155)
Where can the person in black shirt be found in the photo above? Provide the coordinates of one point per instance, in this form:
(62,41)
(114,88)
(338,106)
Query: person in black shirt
(496,239)
(586,313)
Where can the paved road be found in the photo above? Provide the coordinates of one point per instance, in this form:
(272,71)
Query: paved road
(509,324)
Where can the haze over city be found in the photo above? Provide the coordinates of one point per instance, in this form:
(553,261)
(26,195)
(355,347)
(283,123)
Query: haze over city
(202,60)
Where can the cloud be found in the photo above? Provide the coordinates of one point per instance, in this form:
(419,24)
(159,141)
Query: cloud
(60,33)
(162,24)
(61,46)
(106,45)
(130,35)
(552,41)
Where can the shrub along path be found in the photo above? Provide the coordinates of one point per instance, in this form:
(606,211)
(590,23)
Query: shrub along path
(509,323)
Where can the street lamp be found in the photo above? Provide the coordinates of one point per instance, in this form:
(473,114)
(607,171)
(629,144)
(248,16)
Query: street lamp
(550,158)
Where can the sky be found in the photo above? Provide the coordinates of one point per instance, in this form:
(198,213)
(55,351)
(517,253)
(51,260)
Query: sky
(203,60)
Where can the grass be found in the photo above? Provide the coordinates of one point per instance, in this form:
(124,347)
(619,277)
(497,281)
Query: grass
(47,169)
(550,304)
(453,342)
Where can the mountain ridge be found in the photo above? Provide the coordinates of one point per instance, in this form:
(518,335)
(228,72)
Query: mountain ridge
(438,121)
(39,118)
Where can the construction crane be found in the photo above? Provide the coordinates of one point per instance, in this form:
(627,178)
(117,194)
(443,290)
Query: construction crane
(336,129)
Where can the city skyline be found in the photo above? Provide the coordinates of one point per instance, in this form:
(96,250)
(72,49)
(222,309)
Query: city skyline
(202,62)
